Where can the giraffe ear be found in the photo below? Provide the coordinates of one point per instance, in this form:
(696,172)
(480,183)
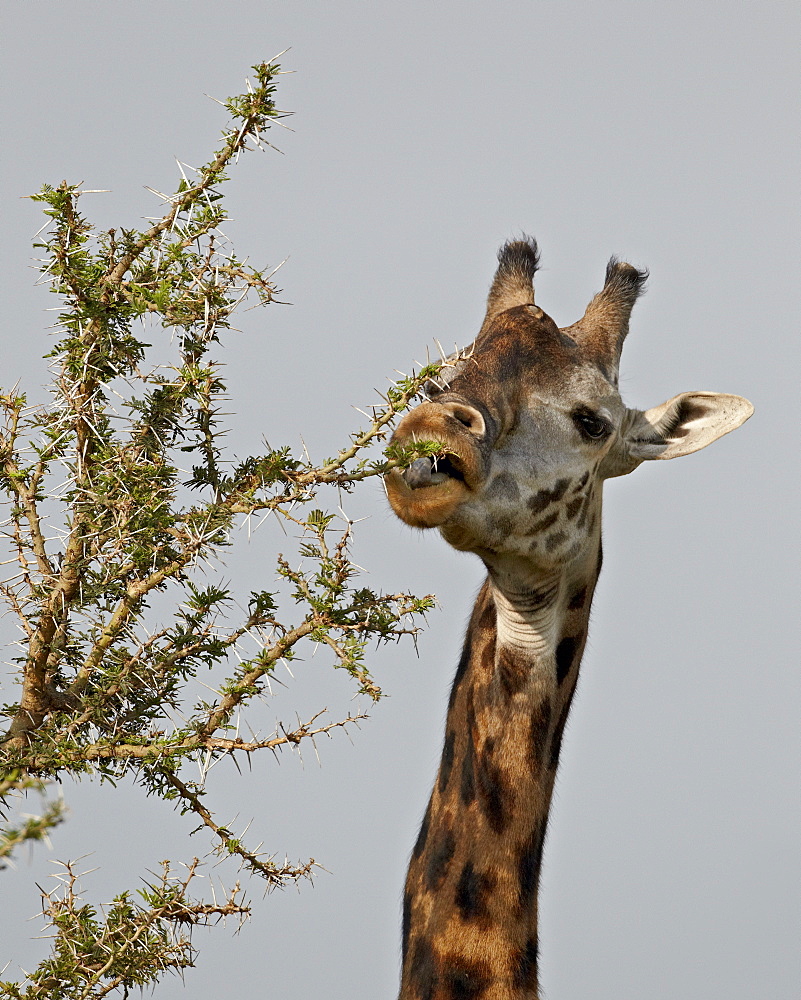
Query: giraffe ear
(680,426)
(513,284)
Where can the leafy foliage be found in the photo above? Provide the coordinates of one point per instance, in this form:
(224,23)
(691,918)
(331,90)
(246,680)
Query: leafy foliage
(132,944)
(101,519)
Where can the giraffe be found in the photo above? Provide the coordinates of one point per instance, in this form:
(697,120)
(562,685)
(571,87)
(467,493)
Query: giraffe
(531,423)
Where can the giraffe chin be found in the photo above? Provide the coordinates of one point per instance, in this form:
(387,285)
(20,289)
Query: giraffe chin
(425,506)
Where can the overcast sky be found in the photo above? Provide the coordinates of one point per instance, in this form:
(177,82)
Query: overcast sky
(425,135)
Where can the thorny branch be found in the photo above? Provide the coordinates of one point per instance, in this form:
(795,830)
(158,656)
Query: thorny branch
(102,520)
(131,945)
(273,874)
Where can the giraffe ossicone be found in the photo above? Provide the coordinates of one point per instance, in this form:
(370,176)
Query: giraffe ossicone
(529,423)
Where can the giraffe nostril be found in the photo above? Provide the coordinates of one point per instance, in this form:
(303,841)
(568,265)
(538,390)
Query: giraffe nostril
(467,416)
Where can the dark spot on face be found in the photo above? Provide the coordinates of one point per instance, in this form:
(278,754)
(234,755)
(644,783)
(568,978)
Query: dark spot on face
(540,724)
(528,868)
(407,921)
(565,654)
(423,971)
(503,487)
(512,672)
(493,793)
(556,539)
(539,501)
(472,891)
(579,599)
(525,967)
(422,836)
(582,482)
(573,507)
(543,498)
(464,980)
(499,527)
(446,764)
(439,859)
(545,522)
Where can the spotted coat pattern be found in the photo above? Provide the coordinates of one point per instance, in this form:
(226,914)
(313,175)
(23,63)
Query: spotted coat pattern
(529,425)
(477,857)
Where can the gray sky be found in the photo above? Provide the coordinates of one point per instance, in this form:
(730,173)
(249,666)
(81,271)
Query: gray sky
(425,136)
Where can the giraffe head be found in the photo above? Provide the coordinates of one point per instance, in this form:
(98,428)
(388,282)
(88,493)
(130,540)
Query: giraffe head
(531,422)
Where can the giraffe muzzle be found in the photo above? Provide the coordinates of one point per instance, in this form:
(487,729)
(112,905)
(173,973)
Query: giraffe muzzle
(430,490)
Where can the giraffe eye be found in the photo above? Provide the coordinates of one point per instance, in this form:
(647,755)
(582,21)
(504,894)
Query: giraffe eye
(592,426)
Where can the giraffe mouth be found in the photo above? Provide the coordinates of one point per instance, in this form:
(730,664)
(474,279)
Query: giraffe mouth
(431,489)
(433,471)
(427,493)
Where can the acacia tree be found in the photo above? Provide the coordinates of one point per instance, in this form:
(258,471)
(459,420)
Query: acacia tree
(100,520)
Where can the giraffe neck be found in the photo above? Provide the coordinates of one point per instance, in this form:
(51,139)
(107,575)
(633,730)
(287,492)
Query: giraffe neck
(470,906)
